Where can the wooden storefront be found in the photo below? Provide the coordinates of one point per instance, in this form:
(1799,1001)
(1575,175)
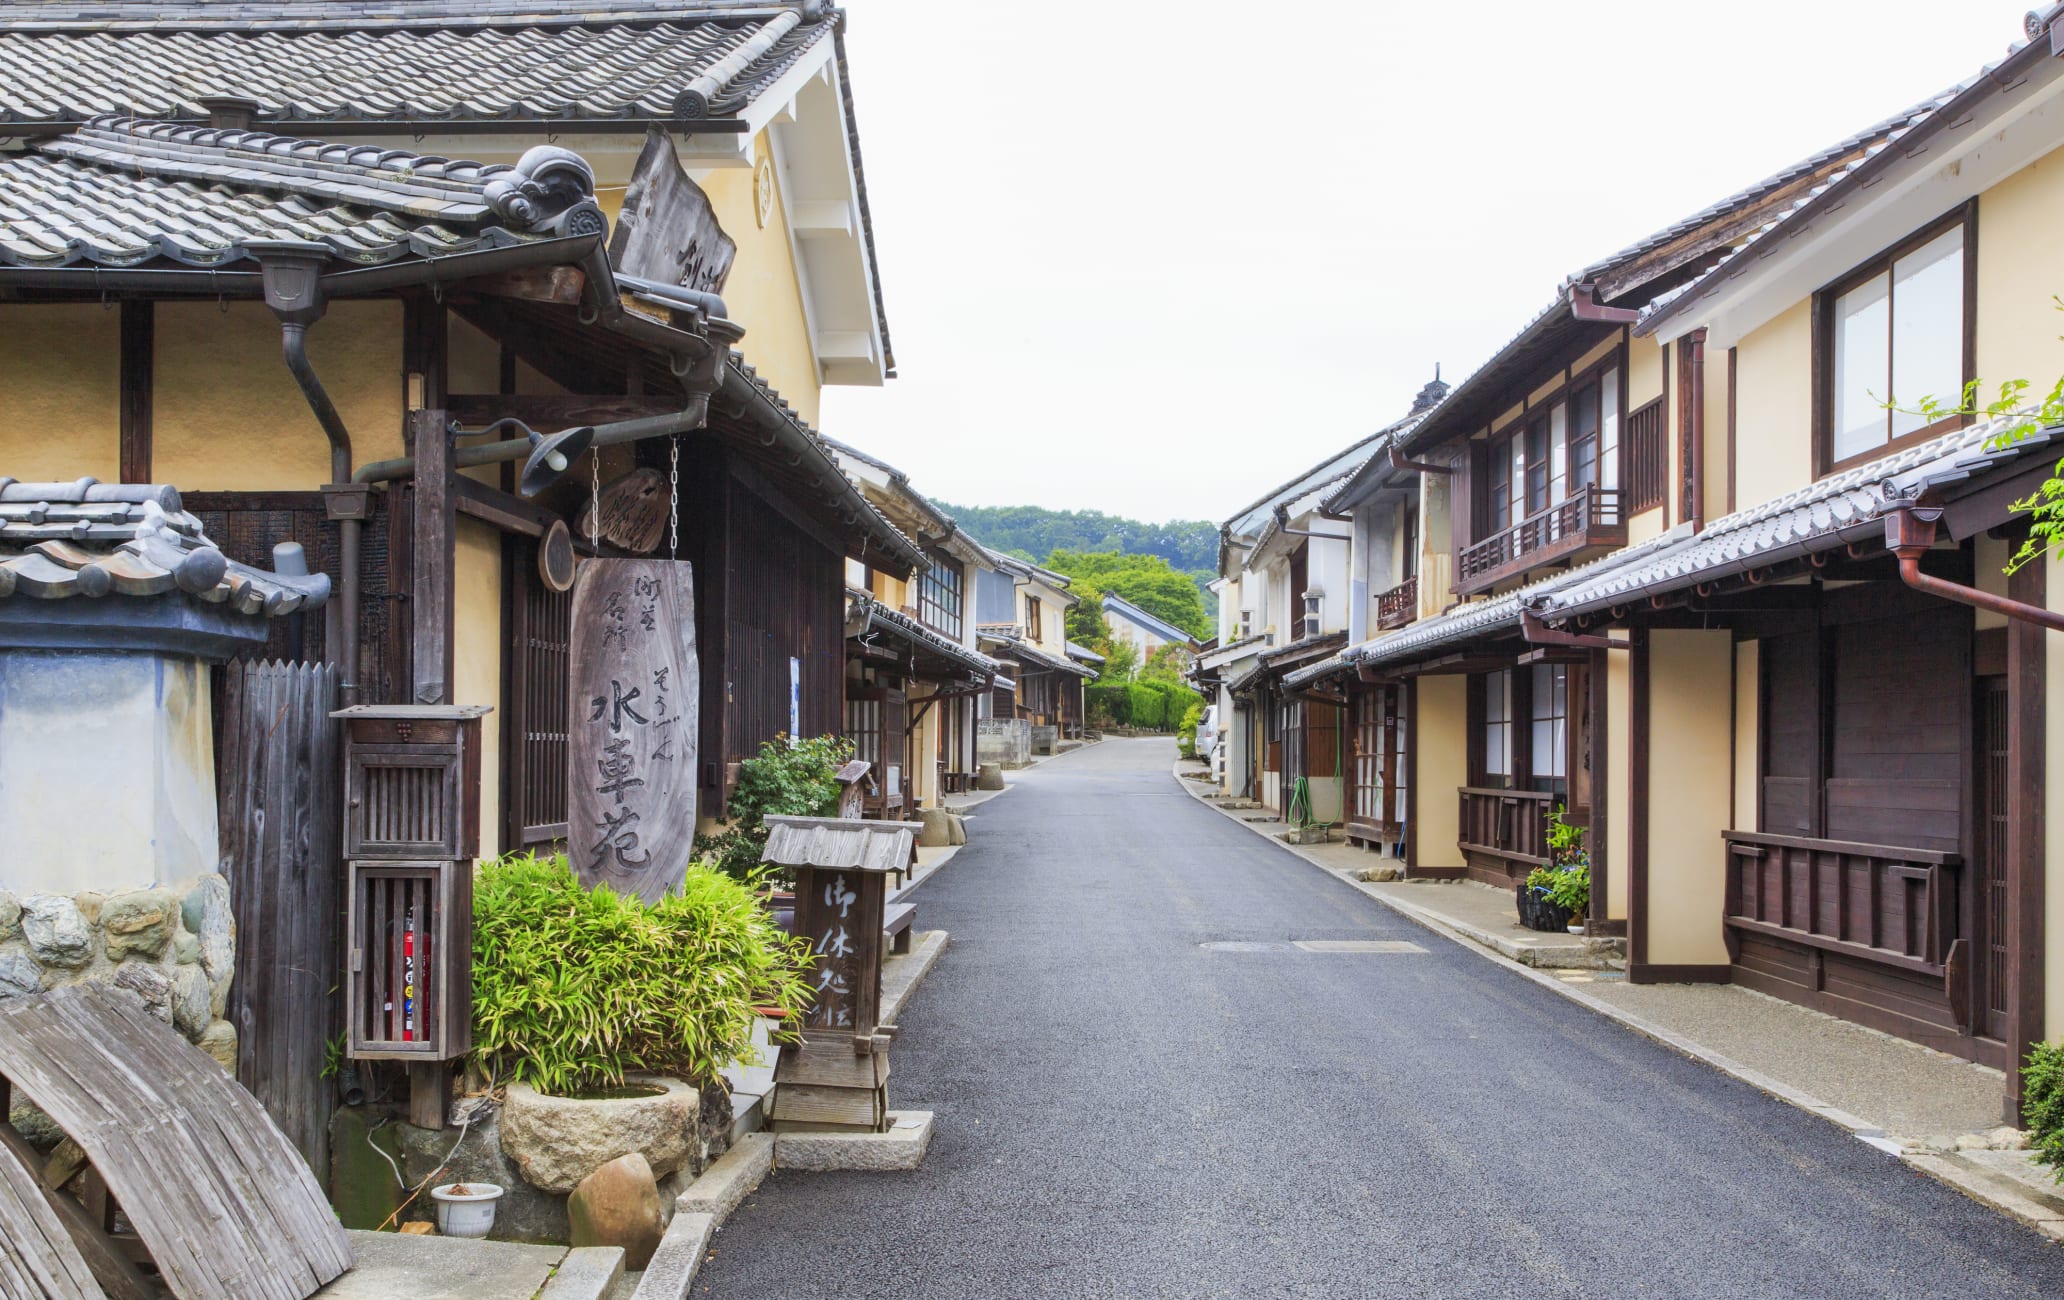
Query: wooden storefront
(1378,765)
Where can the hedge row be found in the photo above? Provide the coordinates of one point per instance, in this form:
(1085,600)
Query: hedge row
(1150,706)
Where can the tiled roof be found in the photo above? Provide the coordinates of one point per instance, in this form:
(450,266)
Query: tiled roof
(864,614)
(1842,508)
(122,192)
(840,842)
(1031,656)
(420,64)
(90,539)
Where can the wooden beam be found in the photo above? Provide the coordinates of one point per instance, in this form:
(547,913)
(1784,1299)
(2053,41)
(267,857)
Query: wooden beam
(1637,801)
(434,558)
(139,331)
(506,511)
(550,414)
(2027,693)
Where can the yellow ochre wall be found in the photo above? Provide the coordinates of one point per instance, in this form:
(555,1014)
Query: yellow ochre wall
(60,392)
(2020,265)
(1715,468)
(1774,408)
(477,658)
(1619,766)
(226,415)
(764,293)
(1440,747)
(1748,708)
(1690,738)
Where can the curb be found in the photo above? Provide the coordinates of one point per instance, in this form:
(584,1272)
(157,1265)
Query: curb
(1942,1168)
(924,954)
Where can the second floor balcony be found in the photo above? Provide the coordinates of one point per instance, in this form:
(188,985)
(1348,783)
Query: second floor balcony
(1582,525)
(1399,606)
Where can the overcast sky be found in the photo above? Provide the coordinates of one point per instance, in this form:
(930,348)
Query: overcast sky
(1154,258)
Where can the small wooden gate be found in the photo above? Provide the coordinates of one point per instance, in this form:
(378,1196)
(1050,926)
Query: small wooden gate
(278,810)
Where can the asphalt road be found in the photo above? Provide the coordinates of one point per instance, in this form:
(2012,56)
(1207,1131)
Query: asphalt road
(1124,1112)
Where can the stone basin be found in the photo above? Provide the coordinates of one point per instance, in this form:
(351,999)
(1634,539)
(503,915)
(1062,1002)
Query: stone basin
(557,1141)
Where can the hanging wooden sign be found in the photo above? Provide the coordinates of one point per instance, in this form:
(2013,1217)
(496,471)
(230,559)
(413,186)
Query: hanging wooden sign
(636,686)
(667,230)
(632,511)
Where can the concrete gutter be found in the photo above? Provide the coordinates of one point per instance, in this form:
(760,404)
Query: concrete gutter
(1992,1191)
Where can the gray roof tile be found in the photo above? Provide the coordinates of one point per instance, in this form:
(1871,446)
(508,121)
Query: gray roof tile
(122,192)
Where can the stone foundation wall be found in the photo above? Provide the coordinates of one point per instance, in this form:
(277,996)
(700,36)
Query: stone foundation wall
(173,946)
(1045,740)
(1003,740)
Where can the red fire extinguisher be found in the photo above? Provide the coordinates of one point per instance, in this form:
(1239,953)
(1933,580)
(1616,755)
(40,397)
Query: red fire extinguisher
(408,977)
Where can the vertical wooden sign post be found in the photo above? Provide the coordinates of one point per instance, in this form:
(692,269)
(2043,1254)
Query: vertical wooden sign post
(636,685)
(836,1078)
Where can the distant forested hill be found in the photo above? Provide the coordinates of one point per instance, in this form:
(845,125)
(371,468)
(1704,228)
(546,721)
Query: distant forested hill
(1034,532)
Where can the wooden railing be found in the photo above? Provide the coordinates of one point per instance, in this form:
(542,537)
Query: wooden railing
(1587,517)
(1888,905)
(1509,824)
(1648,458)
(1399,606)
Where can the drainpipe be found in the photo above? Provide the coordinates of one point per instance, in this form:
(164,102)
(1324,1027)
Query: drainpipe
(1910,532)
(1398,460)
(291,271)
(686,420)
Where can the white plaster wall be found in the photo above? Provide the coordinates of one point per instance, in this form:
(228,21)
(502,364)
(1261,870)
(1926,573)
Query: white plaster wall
(107,771)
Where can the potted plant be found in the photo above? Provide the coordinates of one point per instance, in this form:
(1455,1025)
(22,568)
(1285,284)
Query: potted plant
(1557,895)
(606,1020)
(465,1209)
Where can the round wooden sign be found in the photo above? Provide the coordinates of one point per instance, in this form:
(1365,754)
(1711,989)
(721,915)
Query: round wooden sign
(555,556)
(631,512)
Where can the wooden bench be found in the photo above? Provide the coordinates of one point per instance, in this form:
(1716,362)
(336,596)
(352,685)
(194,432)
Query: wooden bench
(896,922)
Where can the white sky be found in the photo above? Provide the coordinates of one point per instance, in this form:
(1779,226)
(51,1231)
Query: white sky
(1154,258)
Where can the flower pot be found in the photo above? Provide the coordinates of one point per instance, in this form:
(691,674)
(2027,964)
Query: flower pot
(466,1209)
(1576,928)
(1537,913)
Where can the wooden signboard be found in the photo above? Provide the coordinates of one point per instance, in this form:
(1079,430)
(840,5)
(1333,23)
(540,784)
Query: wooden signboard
(635,687)
(667,230)
(631,511)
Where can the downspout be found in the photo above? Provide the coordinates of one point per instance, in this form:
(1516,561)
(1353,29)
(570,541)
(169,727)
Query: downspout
(1910,532)
(291,271)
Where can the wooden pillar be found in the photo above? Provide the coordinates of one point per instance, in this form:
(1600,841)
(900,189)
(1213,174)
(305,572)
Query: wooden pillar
(139,334)
(1637,799)
(433,553)
(2027,690)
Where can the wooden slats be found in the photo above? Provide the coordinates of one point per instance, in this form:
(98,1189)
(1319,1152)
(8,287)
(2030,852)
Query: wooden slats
(278,807)
(1648,458)
(1895,906)
(223,1201)
(37,1257)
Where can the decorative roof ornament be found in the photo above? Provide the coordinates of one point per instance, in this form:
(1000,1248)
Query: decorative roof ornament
(1430,396)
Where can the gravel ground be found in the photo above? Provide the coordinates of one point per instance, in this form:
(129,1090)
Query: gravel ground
(1124,1112)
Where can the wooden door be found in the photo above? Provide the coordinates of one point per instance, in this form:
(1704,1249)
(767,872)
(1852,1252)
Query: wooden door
(1990,940)
(1365,767)
(535,700)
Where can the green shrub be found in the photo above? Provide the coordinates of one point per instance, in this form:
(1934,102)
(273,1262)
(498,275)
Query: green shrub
(1186,738)
(1566,842)
(787,778)
(2042,1098)
(1149,706)
(1108,705)
(573,988)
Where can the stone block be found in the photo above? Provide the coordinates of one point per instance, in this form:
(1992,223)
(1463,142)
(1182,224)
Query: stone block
(672,1270)
(390,1266)
(1377,875)
(205,911)
(219,1040)
(57,933)
(587,1273)
(10,915)
(88,902)
(186,949)
(937,834)
(190,1010)
(956,830)
(138,923)
(617,1205)
(989,777)
(19,973)
(557,1141)
(524,1213)
(903,1146)
(725,1184)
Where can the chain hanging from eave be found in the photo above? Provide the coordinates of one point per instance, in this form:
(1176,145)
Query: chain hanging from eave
(594,498)
(673,523)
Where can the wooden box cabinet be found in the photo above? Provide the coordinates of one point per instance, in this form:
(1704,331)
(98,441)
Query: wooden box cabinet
(409,967)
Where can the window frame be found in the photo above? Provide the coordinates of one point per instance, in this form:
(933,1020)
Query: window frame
(931,611)
(1824,339)
(1612,365)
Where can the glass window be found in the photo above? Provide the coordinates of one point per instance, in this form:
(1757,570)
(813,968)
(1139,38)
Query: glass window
(1583,437)
(1536,470)
(1550,727)
(1497,759)
(1558,452)
(1609,429)
(1898,339)
(1501,485)
(939,596)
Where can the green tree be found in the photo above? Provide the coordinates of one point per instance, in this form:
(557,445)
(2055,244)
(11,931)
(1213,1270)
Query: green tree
(1189,545)
(1148,581)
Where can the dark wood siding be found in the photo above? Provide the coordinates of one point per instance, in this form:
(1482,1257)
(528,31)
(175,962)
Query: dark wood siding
(535,702)
(784,597)
(1902,713)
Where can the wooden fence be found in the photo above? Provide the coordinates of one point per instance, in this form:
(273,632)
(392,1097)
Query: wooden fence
(278,800)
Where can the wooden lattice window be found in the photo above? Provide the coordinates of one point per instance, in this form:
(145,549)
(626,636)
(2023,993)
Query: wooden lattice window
(940,596)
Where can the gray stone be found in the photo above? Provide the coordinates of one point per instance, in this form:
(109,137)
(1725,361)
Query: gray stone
(587,1273)
(19,974)
(956,830)
(186,950)
(936,833)
(524,1213)
(10,915)
(1377,875)
(557,1141)
(618,1205)
(88,902)
(389,1264)
(219,1040)
(205,910)
(902,1147)
(190,1013)
(989,777)
(33,1123)
(151,984)
(138,923)
(724,1186)
(2007,1138)
(218,995)
(672,1270)
(57,933)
